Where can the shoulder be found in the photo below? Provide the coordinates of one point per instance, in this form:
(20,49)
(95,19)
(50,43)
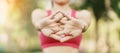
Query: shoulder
(83,13)
(39,13)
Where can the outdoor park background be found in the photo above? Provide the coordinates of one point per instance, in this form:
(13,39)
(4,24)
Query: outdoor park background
(18,35)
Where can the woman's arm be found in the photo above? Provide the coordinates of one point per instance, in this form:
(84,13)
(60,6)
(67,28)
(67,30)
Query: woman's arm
(46,23)
(84,17)
(40,19)
(37,16)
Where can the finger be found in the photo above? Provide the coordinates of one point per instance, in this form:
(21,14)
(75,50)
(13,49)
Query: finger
(47,31)
(70,22)
(60,33)
(64,20)
(62,36)
(76,23)
(50,21)
(66,38)
(62,26)
(58,17)
(75,33)
(54,36)
(67,16)
(56,28)
(46,23)
(52,16)
(54,24)
(67,31)
(73,22)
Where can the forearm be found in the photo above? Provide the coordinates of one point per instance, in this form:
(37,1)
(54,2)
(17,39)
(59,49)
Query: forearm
(37,15)
(84,17)
(37,24)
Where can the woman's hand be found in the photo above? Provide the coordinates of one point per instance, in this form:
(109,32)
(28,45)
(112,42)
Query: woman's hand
(70,32)
(50,26)
(72,27)
(48,20)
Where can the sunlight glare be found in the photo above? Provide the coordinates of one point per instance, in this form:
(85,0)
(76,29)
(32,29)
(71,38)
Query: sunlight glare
(3,11)
(3,38)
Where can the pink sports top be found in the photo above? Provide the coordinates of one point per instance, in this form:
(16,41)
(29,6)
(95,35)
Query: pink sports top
(49,42)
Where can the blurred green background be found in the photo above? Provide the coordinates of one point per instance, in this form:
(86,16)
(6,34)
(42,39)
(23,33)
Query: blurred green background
(18,35)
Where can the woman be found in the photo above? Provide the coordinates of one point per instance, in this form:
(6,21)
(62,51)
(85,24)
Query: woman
(57,44)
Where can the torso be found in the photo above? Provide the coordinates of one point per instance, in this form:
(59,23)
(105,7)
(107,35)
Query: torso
(60,49)
(39,14)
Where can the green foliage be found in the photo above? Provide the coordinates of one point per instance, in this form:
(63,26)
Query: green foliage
(99,8)
(115,6)
(97,5)
(26,7)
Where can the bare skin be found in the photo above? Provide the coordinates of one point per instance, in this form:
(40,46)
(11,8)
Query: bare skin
(60,49)
(82,15)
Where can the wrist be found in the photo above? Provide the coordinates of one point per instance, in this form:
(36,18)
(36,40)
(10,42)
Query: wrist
(83,25)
